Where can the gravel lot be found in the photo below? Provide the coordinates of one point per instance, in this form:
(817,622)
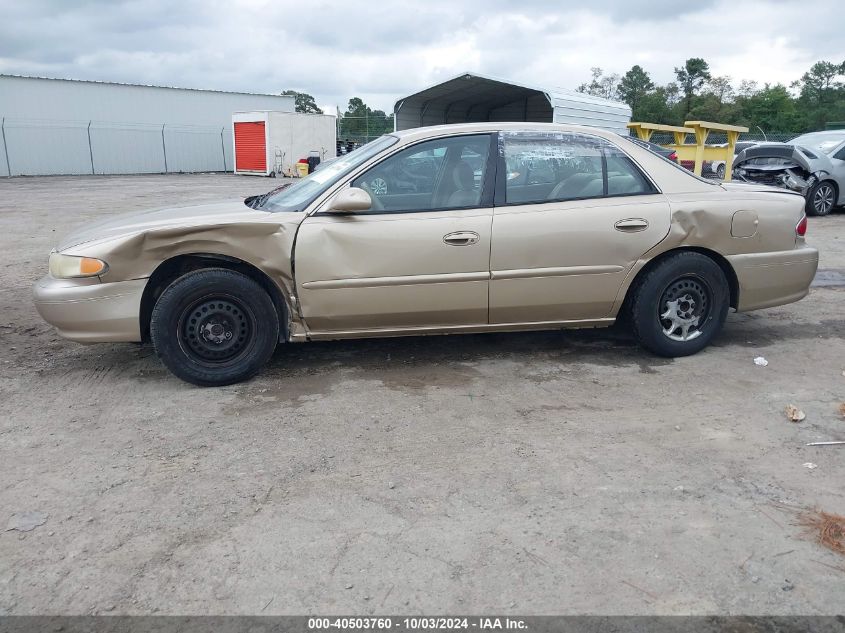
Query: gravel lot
(534,473)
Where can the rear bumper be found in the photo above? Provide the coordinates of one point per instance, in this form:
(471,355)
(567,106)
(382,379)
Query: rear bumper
(773,279)
(88,311)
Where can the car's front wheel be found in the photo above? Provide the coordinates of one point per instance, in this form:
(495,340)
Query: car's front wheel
(821,198)
(679,306)
(214,327)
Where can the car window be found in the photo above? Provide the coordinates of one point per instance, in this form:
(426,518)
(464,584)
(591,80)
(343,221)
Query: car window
(624,178)
(567,166)
(299,195)
(840,154)
(434,175)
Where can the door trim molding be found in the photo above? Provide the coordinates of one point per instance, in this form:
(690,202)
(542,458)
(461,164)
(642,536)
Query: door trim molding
(399,280)
(562,271)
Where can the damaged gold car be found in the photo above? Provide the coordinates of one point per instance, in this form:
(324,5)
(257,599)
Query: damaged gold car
(463,228)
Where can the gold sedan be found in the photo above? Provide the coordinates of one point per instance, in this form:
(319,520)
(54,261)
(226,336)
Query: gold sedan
(441,230)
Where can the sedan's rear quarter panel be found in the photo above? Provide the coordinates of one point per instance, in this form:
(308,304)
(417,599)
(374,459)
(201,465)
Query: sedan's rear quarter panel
(772,265)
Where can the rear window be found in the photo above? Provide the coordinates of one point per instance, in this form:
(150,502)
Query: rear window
(562,166)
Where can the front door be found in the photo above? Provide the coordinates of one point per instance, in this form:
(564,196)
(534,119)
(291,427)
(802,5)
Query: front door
(419,258)
(573,215)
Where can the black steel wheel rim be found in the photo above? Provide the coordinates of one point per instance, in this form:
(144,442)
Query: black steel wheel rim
(684,308)
(216,329)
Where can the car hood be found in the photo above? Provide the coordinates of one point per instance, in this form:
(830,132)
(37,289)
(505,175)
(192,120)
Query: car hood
(228,212)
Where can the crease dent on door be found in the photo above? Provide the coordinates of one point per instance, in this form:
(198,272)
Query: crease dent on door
(381,271)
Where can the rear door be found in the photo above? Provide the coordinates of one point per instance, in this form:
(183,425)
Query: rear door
(419,258)
(573,214)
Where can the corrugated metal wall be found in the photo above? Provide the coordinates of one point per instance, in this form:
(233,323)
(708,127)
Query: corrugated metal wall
(580,109)
(54,127)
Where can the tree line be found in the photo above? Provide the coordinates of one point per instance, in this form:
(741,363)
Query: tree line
(809,103)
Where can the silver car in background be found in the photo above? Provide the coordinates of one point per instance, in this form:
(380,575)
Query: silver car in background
(812,164)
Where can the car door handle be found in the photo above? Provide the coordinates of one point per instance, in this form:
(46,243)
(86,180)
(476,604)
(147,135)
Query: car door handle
(631,225)
(461,238)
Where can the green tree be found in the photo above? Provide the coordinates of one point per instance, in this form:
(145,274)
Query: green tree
(771,108)
(822,94)
(601,85)
(633,88)
(304,102)
(360,123)
(654,107)
(716,102)
(748,88)
(691,77)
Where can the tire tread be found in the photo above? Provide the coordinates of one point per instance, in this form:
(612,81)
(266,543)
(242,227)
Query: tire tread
(249,291)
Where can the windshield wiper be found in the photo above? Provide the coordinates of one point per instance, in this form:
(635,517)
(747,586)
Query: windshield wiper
(256,202)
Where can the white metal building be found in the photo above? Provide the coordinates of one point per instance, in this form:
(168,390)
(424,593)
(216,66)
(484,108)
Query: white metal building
(61,126)
(473,98)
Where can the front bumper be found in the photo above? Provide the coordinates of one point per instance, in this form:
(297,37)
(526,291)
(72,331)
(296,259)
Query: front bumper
(88,311)
(773,279)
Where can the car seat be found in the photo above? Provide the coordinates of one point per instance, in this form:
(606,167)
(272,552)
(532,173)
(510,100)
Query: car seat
(465,194)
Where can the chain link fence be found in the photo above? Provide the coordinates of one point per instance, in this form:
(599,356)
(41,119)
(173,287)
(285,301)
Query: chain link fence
(39,147)
(360,130)
(715,138)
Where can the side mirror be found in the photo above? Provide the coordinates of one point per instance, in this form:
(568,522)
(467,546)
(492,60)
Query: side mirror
(350,200)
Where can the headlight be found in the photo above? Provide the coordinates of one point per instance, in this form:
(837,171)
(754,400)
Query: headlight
(69,266)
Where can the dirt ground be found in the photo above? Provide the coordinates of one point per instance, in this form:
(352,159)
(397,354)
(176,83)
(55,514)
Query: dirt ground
(534,473)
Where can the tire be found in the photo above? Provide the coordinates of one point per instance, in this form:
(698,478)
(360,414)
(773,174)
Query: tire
(821,198)
(214,327)
(692,285)
(720,172)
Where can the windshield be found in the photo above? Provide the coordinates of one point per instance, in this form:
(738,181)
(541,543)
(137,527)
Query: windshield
(303,192)
(822,141)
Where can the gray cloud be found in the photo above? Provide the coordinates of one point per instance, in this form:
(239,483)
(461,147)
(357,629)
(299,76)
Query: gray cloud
(336,50)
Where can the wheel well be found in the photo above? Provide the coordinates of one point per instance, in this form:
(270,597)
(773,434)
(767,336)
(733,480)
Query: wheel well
(723,263)
(170,270)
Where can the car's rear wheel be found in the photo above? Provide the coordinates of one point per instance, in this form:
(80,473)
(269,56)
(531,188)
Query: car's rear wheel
(821,198)
(679,306)
(720,171)
(214,327)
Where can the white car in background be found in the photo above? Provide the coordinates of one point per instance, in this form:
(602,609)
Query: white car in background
(718,166)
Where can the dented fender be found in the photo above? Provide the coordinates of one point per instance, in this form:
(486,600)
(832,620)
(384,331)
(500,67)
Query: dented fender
(737,222)
(261,239)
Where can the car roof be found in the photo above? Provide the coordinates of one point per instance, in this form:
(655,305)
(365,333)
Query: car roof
(823,134)
(814,139)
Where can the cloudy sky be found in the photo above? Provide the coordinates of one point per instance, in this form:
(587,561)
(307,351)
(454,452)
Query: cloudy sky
(381,50)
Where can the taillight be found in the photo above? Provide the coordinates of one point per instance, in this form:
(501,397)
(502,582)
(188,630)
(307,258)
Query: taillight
(801,227)
(673,157)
